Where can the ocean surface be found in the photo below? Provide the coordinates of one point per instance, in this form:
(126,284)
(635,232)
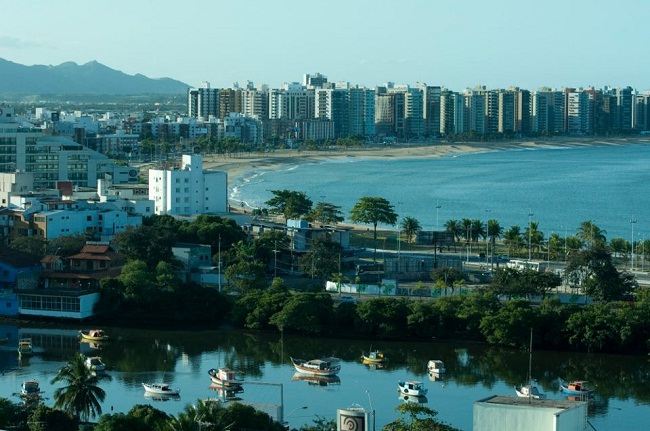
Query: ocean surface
(557,187)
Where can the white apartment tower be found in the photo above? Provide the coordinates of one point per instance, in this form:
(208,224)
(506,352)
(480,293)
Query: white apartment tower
(188,190)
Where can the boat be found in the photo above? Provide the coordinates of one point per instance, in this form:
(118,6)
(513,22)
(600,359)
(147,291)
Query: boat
(374,357)
(30,389)
(160,389)
(576,387)
(224,377)
(94,363)
(530,390)
(412,387)
(317,380)
(25,347)
(93,334)
(436,366)
(318,367)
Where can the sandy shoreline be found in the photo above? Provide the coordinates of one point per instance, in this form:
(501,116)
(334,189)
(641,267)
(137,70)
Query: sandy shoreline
(237,166)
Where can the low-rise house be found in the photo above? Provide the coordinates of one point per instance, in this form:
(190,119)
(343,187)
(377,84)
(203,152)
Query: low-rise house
(72,290)
(197,265)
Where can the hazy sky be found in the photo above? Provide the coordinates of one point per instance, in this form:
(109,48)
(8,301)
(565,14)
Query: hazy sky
(452,43)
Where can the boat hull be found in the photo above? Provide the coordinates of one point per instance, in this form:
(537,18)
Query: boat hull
(529,392)
(413,389)
(159,389)
(317,367)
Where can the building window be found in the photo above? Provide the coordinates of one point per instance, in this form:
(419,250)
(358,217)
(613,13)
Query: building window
(89,218)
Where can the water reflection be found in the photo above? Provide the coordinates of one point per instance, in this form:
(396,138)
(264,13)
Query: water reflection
(317,380)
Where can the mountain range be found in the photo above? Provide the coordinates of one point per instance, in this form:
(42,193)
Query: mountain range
(71,78)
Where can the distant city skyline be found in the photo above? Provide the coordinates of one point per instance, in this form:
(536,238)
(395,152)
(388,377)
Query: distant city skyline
(455,44)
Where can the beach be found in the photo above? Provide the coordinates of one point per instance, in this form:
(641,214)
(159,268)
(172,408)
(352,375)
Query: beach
(238,165)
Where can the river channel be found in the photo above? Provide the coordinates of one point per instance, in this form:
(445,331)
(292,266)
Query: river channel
(262,361)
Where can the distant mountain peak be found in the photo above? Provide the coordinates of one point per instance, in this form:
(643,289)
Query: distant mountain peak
(89,78)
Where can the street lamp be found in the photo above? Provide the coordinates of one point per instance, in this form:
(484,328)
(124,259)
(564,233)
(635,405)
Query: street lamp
(487,235)
(371,410)
(284,419)
(437,209)
(530,224)
(632,222)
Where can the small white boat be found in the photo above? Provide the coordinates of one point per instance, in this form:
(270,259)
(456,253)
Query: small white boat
(529,391)
(25,347)
(318,367)
(436,366)
(412,387)
(94,363)
(160,389)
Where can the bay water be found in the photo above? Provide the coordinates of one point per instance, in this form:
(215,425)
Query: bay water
(557,187)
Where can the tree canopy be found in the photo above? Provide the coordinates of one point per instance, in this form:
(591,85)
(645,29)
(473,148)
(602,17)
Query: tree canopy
(373,210)
(290,204)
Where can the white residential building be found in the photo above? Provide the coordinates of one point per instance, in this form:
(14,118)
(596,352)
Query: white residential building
(189,190)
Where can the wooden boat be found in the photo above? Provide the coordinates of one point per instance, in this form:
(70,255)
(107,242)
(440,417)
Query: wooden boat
(317,380)
(318,367)
(412,388)
(25,347)
(160,389)
(374,357)
(436,366)
(224,377)
(576,387)
(94,363)
(93,334)
(30,389)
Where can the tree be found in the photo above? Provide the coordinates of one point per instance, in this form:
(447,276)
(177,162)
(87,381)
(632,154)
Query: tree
(513,239)
(44,418)
(534,236)
(591,234)
(373,210)
(325,213)
(322,259)
(455,228)
(494,232)
(146,243)
(618,246)
(82,395)
(448,277)
(410,226)
(593,270)
(415,420)
(29,244)
(66,245)
(290,204)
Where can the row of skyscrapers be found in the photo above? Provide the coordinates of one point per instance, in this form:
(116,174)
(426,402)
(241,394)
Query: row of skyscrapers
(317,109)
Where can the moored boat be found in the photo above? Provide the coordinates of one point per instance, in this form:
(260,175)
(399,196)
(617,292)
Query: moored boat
(160,389)
(93,334)
(374,357)
(529,391)
(318,367)
(25,347)
(412,387)
(94,363)
(576,387)
(224,377)
(412,399)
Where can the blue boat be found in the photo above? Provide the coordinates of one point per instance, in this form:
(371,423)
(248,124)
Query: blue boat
(576,387)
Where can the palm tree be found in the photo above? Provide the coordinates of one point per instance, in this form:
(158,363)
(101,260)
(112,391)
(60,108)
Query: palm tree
(513,239)
(591,234)
(494,232)
(455,228)
(81,396)
(478,230)
(534,236)
(411,227)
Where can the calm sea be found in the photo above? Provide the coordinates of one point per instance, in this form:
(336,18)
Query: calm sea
(560,187)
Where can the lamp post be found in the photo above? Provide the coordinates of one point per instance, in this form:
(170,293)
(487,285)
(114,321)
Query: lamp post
(487,235)
(284,419)
(530,224)
(371,410)
(632,222)
(437,209)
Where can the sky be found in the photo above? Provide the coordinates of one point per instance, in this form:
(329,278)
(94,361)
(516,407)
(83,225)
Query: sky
(452,43)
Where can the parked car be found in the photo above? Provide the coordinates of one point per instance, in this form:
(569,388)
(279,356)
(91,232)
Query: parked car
(349,299)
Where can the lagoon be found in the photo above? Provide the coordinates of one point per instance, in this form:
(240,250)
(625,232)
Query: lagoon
(183,358)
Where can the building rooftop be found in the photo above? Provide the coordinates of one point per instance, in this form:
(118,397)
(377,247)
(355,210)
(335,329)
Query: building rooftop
(521,401)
